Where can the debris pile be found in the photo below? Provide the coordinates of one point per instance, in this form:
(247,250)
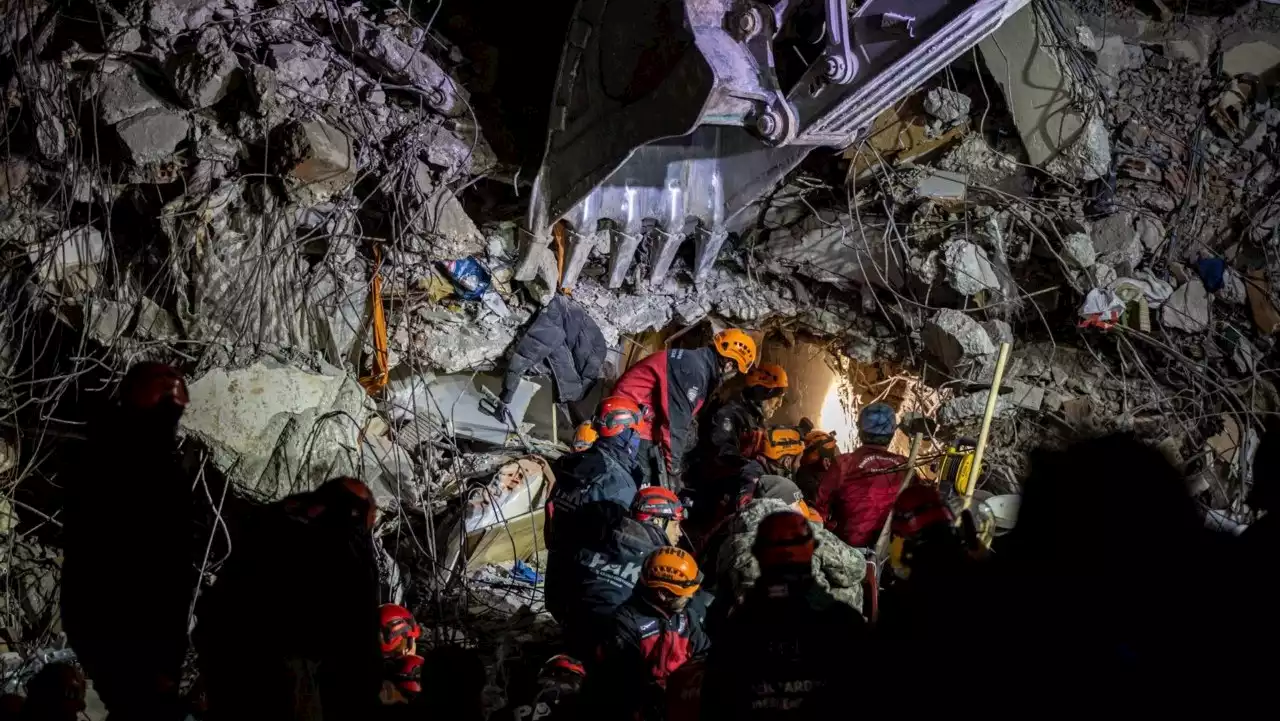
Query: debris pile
(270,195)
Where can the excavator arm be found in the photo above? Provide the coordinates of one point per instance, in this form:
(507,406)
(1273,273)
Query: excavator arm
(672,117)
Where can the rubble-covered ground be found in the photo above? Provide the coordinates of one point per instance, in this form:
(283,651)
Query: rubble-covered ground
(217,183)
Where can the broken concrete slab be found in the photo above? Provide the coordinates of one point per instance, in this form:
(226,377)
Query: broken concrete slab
(943,185)
(1078,250)
(969,271)
(1118,242)
(1039,88)
(1250,53)
(153,135)
(947,105)
(972,407)
(206,74)
(320,159)
(1150,232)
(955,340)
(13,177)
(277,430)
(124,95)
(1025,396)
(1188,308)
(67,262)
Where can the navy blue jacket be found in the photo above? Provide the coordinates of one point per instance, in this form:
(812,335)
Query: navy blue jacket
(588,583)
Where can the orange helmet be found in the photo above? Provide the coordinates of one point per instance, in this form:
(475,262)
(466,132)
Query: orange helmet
(808,512)
(656,502)
(584,437)
(767,375)
(673,570)
(736,346)
(399,631)
(408,675)
(781,441)
(784,539)
(819,445)
(617,414)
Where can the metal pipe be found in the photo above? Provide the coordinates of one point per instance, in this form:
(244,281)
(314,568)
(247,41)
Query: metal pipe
(986,424)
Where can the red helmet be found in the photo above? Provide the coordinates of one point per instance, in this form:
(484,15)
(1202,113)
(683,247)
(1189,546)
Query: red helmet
(408,674)
(917,508)
(784,539)
(617,414)
(149,385)
(399,631)
(561,662)
(656,502)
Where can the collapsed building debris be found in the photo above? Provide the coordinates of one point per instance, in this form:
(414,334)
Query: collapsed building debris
(219,184)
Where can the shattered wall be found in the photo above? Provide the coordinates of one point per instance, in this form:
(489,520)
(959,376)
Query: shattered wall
(216,183)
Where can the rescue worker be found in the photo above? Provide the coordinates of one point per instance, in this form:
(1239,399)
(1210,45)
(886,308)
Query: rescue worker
(55,693)
(820,453)
(404,680)
(654,634)
(312,555)
(674,384)
(777,450)
(789,649)
(554,695)
(856,494)
(586,585)
(116,539)
(773,452)
(398,636)
(399,632)
(761,396)
(584,437)
(606,474)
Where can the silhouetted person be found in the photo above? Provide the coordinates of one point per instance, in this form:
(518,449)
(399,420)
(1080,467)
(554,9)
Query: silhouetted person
(1105,582)
(128,575)
(291,627)
(782,652)
(55,693)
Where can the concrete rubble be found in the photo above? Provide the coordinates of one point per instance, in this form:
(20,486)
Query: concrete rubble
(217,183)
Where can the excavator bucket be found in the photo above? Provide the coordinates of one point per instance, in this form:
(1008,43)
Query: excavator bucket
(672,117)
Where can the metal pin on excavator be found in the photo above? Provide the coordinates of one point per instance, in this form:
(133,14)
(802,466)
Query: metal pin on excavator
(671,118)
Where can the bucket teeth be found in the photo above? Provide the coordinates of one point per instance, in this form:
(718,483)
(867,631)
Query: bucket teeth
(621,255)
(709,243)
(577,255)
(666,247)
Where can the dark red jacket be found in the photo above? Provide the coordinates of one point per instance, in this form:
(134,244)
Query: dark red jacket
(857,493)
(675,384)
(647,646)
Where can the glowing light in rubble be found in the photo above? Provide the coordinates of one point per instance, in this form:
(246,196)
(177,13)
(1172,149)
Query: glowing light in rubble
(838,417)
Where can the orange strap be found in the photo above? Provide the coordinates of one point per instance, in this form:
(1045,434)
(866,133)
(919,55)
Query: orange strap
(381,371)
(558,233)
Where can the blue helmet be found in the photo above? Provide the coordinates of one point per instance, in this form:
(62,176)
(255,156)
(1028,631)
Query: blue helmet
(877,420)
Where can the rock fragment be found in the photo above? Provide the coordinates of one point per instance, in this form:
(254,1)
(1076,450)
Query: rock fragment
(321,159)
(1117,242)
(972,407)
(969,271)
(956,340)
(153,135)
(124,95)
(1188,308)
(947,105)
(205,75)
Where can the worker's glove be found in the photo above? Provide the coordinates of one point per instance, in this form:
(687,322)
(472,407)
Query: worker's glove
(647,412)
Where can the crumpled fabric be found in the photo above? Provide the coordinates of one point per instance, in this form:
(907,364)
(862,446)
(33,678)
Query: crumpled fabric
(838,567)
